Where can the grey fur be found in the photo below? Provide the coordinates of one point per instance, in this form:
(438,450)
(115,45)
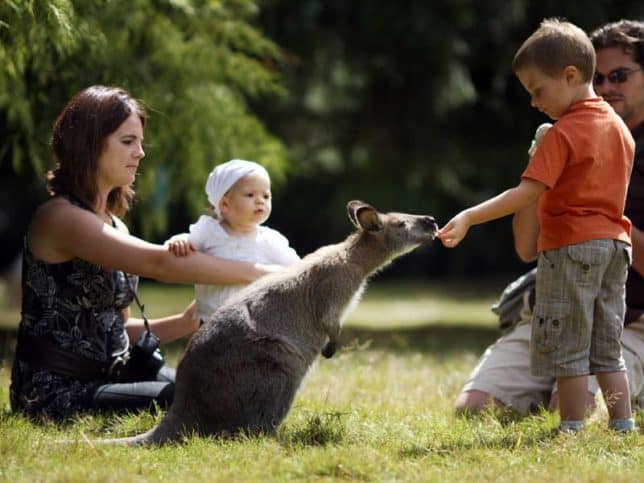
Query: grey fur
(241,370)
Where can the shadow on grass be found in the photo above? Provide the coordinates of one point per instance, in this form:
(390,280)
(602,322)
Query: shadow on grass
(430,338)
(319,429)
(434,338)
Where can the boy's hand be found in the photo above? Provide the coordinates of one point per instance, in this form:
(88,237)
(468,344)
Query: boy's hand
(181,247)
(455,230)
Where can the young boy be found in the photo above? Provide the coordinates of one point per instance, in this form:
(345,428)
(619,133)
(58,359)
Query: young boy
(579,174)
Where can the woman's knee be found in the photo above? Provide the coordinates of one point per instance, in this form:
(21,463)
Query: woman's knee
(167,374)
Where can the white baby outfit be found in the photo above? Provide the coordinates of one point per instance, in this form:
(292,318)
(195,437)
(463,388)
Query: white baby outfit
(267,246)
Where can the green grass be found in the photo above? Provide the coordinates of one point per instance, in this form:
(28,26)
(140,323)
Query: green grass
(380,410)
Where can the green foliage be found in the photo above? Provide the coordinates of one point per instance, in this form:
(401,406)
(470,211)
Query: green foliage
(195,64)
(411,106)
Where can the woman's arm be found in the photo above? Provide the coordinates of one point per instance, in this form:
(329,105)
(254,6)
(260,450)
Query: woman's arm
(166,329)
(525,228)
(61,231)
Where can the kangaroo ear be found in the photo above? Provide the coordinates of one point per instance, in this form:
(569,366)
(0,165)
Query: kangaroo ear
(364,216)
(352,207)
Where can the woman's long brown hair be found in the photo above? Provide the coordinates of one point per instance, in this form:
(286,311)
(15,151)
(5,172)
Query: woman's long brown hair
(78,139)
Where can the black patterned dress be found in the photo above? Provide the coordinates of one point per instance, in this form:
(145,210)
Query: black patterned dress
(78,307)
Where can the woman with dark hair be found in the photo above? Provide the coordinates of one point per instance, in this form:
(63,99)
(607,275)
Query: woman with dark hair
(78,263)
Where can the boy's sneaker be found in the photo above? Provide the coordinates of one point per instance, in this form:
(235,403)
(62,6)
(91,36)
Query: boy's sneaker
(622,425)
(571,426)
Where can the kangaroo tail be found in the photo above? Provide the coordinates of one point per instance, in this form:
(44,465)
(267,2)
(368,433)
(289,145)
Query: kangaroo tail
(146,439)
(165,432)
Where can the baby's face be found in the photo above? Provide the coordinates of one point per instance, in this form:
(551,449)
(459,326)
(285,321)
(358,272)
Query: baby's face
(248,203)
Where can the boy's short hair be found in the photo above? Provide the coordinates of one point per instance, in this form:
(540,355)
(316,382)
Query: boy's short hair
(555,45)
(627,35)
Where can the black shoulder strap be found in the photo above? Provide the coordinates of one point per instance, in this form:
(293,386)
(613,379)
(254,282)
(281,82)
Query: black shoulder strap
(138,303)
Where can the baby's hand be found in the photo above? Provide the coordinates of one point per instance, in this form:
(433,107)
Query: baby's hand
(454,231)
(180,247)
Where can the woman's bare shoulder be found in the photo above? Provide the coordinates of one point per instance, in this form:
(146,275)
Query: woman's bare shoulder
(54,228)
(57,211)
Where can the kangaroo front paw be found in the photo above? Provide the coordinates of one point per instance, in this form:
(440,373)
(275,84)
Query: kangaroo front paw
(329,349)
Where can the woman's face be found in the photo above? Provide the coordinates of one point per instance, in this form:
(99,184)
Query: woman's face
(119,160)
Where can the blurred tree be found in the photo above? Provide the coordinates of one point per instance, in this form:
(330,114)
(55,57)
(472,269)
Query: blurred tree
(194,63)
(412,106)
(409,105)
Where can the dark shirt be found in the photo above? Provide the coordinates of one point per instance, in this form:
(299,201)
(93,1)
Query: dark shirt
(77,307)
(634,210)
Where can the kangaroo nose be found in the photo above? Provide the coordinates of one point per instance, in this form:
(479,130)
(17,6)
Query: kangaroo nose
(429,222)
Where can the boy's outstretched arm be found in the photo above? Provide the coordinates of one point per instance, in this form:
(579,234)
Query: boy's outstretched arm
(510,201)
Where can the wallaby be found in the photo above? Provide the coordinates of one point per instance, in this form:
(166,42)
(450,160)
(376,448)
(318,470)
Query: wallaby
(241,370)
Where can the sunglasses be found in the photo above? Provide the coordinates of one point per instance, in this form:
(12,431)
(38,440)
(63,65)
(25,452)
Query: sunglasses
(617,76)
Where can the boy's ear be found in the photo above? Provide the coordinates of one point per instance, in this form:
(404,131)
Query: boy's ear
(572,74)
(364,216)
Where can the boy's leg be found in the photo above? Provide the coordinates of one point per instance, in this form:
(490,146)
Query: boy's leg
(614,386)
(570,389)
(606,360)
(591,396)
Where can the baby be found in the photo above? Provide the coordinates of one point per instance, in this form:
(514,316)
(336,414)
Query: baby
(239,193)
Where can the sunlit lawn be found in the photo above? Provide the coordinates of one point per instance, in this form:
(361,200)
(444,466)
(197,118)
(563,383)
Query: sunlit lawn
(379,410)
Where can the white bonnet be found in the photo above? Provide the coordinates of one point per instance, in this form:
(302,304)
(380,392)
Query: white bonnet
(224,176)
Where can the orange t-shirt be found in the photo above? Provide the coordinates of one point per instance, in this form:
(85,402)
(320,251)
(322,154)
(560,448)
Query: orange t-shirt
(585,160)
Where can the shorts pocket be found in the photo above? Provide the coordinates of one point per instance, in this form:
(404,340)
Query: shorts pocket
(588,255)
(547,325)
(584,257)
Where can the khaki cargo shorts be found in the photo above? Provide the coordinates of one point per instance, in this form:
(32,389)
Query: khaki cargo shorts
(579,312)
